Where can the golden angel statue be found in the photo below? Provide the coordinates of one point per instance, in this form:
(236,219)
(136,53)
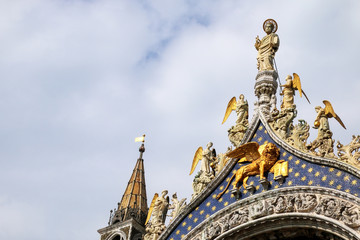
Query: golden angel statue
(206,174)
(288,91)
(155,221)
(324,142)
(267,46)
(206,156)
(263,159)
(241,107)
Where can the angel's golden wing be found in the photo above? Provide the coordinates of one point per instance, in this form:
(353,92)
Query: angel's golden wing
(329,112)
(151,207)
(248,150)
(296,84)
(197,157)
(230,107)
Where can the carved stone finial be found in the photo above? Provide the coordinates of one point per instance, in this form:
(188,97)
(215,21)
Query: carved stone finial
(265,89)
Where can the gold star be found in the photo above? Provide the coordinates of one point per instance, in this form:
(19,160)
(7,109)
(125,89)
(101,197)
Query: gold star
(221,199)
(317,174)
(353,182)
(227,191)
(265,131)
(356,194)
(234,171)
(290,183)
(184,224)
(297,162)
(228,179)
(297,174)
(207,216)
(257,187)
(252,182)
(213,208)
(338,173)
(171,238)
(303,178)
(214,196)
(261,128)
(201,212)
(177,232)
(347,190)
(266,142)
(284,154)
(290,170)
(331,169)
(208,204)
(195,220)
(310,170)
(221,188)
(323,178)
(331,182)
(189,228)
(254,135)
(338,187)
(310,182)
(346,178)
(190,216)
(260,139)
(245,191)
(303,166)
(276,186)
(290,157)
(226,203)
(182,235)
(196,208)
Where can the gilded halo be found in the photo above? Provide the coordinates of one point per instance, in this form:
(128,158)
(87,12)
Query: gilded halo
(273,22)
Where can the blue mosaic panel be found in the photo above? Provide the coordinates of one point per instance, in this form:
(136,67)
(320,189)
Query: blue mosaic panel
(301,173)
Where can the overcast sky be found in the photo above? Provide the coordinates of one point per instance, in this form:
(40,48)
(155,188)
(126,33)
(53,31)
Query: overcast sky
(80,79)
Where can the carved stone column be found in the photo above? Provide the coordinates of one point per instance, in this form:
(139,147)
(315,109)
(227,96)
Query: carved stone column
(265,90)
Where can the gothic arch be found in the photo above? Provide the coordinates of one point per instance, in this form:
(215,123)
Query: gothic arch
(118,235)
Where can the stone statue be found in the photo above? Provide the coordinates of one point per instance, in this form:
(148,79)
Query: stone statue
(237,132)
(157,212)
(267,46)
(176,206)
(324,142)
(260,163)
(206,174)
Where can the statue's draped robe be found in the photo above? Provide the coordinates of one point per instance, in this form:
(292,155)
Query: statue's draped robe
(266,51)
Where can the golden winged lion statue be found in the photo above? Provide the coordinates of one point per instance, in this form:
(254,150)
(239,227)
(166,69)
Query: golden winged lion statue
(263,159)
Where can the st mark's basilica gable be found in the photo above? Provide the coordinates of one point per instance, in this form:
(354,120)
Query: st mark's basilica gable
(273,183)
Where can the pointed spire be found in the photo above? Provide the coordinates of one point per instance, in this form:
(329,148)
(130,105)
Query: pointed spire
(133,204)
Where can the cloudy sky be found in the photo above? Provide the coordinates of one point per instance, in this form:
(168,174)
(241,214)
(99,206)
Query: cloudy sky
(80,79)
